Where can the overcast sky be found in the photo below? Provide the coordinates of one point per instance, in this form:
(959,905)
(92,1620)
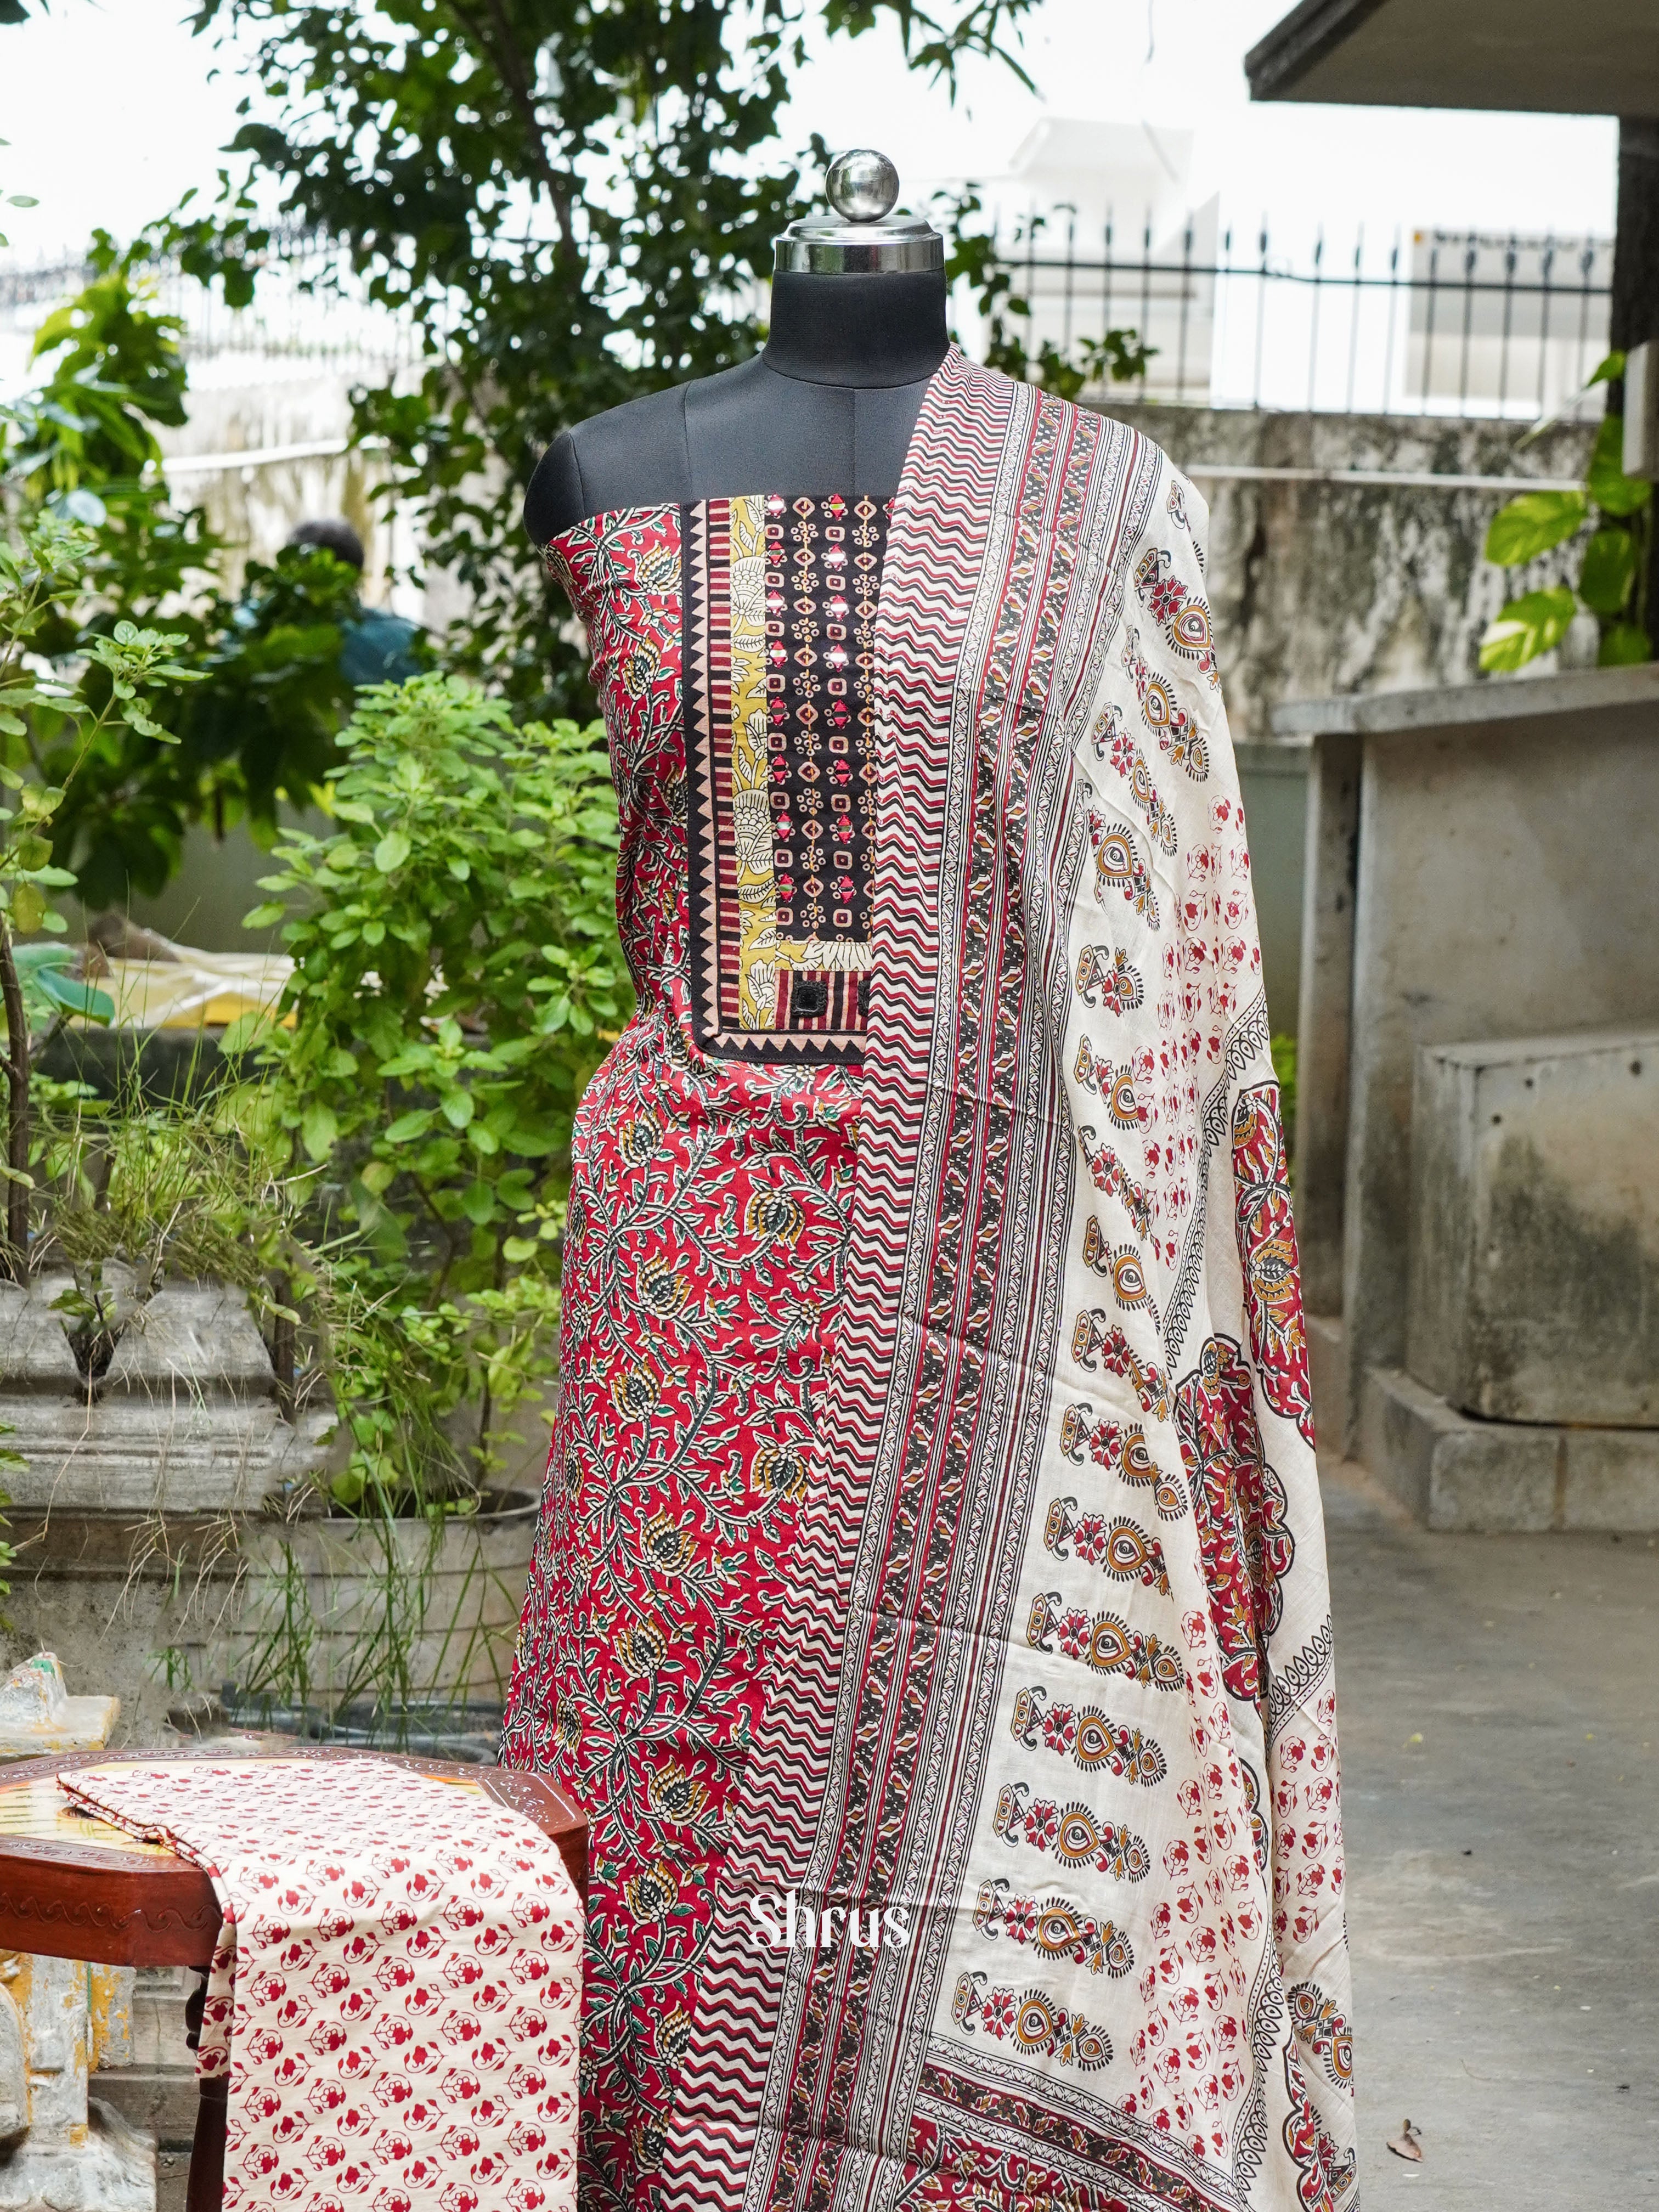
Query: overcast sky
(111,111)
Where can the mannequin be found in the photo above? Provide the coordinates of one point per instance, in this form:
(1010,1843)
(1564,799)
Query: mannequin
(829,404)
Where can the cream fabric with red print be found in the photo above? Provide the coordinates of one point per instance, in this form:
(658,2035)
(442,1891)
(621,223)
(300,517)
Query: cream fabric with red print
(397,1986)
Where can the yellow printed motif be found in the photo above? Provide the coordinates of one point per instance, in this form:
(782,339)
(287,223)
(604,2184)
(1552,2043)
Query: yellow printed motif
(752,805)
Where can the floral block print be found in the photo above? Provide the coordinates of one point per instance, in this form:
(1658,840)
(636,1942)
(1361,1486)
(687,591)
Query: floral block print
(396,1989)
(954,1557)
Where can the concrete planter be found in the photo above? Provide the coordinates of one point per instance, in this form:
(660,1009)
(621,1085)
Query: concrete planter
(143,1558)
(183,1418)
(451,1594)
(173,1603)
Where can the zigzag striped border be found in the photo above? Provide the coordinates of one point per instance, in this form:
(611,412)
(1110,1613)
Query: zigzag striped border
(930,625)
(993,552)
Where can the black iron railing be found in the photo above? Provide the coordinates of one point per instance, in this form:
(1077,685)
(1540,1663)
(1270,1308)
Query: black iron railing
(1454,324)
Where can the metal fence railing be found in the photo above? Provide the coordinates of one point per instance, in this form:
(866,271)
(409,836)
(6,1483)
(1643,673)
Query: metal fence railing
(1439,323)
(1455,324)
(302,312)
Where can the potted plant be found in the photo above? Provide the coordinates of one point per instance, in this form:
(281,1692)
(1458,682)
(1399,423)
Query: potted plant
(457,979)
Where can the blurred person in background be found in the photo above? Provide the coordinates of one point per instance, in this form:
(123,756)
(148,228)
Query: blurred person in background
(379,647)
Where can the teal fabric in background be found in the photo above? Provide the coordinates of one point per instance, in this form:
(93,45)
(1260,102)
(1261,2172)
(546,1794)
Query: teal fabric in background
(380,647)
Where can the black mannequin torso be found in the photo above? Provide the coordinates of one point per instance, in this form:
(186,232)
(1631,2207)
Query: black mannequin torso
(828,405)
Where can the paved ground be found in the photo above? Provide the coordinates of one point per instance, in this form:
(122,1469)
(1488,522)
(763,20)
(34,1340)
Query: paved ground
(1499,1703)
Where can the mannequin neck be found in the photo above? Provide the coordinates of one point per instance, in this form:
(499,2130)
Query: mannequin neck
(868,331)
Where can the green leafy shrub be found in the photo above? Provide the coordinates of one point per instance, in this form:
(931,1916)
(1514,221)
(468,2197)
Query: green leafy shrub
(249,717)
(1613,569)
(49,730)
(457,981)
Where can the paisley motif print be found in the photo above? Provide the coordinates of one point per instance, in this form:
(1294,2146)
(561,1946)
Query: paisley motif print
(1321,2030)
(1185,615)
(1117,1546)
(1054,1928)
(1102,1640)
(1120,1447)
(1119,866)
(1031,2021)
(1104,978)
(1243,1528)
(1324,2173)
(1088,1737)
(1267,1248)
(1097,1337)
(1071,1832)
(1113,742)
(1165,716)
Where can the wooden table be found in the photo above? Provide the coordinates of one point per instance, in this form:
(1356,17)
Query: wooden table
(73,1887)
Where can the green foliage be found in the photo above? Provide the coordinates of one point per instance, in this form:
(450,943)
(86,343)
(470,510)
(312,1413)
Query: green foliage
(248,718)
(571,202)
(50,728)
(42,570)
(1535,524)
(1625,645)
(1612,571)
(975,256)
(83,441)
(1611,489)
(1535,623)
(1283,1052)
(1610,561)
(457,981)
(258,727)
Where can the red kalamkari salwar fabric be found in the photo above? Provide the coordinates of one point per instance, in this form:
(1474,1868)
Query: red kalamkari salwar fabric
(929,1609)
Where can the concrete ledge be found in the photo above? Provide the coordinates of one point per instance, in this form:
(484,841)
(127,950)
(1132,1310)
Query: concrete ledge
(1327,1372)
(1493,1477)
(1388,713)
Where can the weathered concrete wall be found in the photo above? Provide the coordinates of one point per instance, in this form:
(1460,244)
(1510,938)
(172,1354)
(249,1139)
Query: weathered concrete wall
(1318,588)
(1534,1228)
(1324,1039)
(253,509)
(1504,882)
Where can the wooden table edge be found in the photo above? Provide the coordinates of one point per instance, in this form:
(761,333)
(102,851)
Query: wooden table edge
(162,1911)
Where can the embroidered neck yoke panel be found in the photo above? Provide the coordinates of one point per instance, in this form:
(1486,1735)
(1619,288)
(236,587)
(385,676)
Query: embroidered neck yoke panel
(930,1610)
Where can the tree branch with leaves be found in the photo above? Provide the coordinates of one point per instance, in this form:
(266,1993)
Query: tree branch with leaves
(41,714)
(572,203)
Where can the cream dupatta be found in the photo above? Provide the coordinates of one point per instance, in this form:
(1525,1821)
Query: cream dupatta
(1046,1789)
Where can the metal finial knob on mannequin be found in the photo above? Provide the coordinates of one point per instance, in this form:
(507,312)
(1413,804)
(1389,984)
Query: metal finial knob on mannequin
(862,237)
(862,186)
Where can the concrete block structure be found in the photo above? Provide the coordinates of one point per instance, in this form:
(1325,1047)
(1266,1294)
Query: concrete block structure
(1480,868)
(183,1418)
(1533,1278)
